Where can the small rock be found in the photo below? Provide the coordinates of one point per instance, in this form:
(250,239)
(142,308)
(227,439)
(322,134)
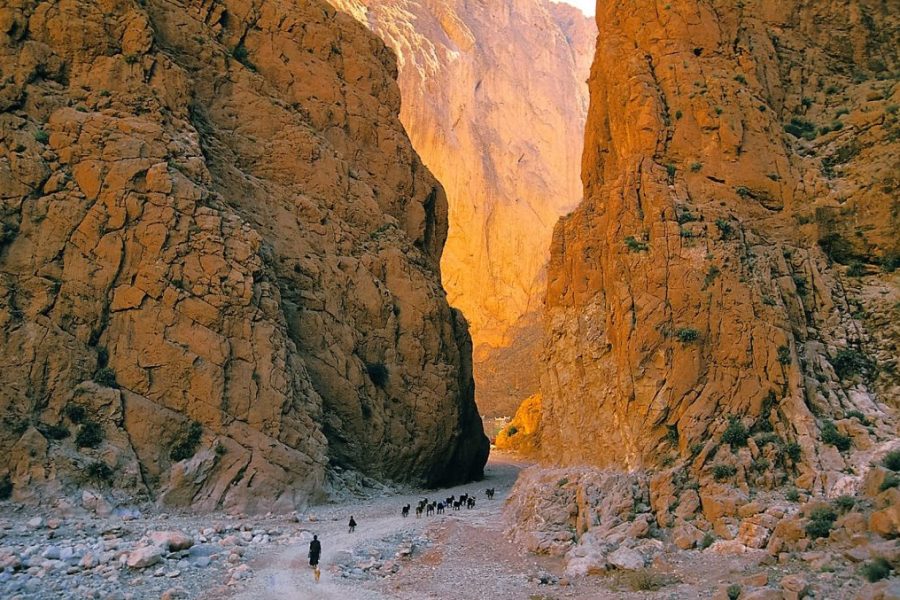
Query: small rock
(35,523)
(626,559)
(144,557)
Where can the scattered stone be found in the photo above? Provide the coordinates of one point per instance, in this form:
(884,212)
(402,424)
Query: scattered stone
(145,557)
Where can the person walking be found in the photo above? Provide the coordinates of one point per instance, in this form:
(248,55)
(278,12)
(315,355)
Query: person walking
(315,551)
(352,524)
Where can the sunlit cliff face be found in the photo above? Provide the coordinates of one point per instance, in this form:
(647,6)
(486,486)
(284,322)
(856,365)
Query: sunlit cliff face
(494,100)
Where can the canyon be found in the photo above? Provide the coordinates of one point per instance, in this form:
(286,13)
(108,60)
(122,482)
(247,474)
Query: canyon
(506,143)
(225,329)
(219,268)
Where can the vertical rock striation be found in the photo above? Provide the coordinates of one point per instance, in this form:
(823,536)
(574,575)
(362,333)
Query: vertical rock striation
(494,101)
(219,260)
(731,268)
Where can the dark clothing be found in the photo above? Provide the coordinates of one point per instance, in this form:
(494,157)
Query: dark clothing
(315,550)
(352,524)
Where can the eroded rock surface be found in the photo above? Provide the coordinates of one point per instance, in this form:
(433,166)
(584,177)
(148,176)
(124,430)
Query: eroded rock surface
(494,100)
(219,261)
(727,271)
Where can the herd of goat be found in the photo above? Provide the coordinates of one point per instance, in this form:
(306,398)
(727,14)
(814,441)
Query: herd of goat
(429,507)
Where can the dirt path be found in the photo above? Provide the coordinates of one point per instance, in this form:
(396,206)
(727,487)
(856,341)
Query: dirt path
(287,576)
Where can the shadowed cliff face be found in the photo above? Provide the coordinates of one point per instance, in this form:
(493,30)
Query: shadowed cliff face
(211,210)
(494,101)
(733,256)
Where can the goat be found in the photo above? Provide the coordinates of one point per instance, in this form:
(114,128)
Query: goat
(405,511)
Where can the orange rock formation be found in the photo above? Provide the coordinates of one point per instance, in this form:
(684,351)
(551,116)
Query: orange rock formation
(494,101)
(219,258)
(732,266)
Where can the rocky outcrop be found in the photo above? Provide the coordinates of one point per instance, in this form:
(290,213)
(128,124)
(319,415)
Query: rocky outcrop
(494,101)
(712,303)
(219,261)
(521,435)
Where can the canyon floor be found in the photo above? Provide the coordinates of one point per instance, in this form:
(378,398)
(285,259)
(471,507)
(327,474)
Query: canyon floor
(466,554)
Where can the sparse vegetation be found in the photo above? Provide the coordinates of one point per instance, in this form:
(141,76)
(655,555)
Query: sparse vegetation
(723,472)
(849,363)
(784,355)
(801,128)
(821,521)
(511,430)
(855,414)
(733,591)
(131,59)
(891,460)
(635,246)
(743,191)
(740,79)
(725,228)
(378,373)
(6,488)
(186,445)
(711,275)
(830,435)
(90,435)
(671,169)
(41,136)
(735,434)
(890,481)
(106,377)
(876,570)
(99,471)
(707,541)
(686,335)
(696,167)
(792,495)
(793,451)
(844,503)
(221,450)
(672,435)
(644,580)
(75,413)
(55,432)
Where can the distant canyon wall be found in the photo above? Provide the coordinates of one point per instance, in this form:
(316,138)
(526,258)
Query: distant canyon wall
(495,101)
(733,265)
(219,259)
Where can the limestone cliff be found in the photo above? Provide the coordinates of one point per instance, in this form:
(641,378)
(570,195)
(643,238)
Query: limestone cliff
(219,261)
(728,282)
(494,100)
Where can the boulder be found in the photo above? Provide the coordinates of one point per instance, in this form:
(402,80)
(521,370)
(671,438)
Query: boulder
(144,557)
(171,541)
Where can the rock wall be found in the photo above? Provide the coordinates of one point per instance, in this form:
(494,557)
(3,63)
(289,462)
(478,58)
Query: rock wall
(731,270)
(219,258)
(494,100)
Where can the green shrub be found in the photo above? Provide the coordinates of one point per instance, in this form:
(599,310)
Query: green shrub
(891,460)
(849,363)
(784,355)
(740,79)
(761,465)
(792,495)
(890,481)
(821,521)
(856,269)
(876,570)
(635,246)
(844,503)
(725,228)
(55,432)
(511,430)
(221,450)
(743,191)
(711,275)
(562,481)
(830,435)
(696,166)
(6,488)
(735,434)
(723,472)
(707,541)
(378,373)
(697,448)
(672,435)
(41,136)
(801,128)
(686,335)
(671,169)
(678,115)
(99,471)
(90,435)
(186,445)
(793,451)
(855,414)
(132,59)
(75,413)
(106,377)
(733,591)
(767,438)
